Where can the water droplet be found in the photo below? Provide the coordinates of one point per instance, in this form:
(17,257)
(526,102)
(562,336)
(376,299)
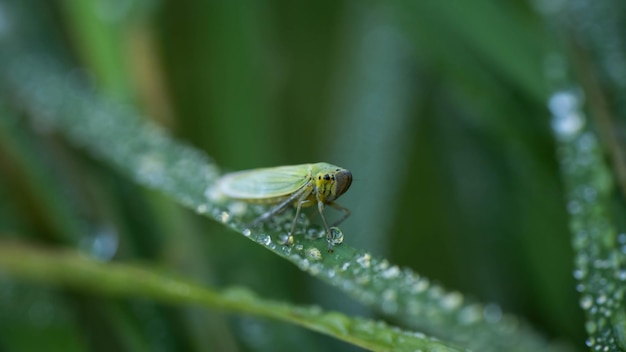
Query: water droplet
(451,301)
(384,264)
(586,302)
(264,239)
(420,286)
(315,232)
(492,313)
(304,264)
(391,273)
(470,314)
(574,207)
(237,208)
(224,217)
(579,274)
(589,194)
(337,322)
(565,107)
(247,232)
(201,209)
(336,236)
(364,260)
(286,239)
(313,253)
(213,194)
(102,243)
(150,169)
(389,304)
(315,269)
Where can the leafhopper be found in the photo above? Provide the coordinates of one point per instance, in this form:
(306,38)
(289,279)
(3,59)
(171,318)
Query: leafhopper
(300,186)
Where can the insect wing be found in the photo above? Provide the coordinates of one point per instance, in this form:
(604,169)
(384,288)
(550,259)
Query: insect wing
(265,183)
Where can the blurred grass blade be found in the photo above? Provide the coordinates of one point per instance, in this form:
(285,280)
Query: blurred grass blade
(599,264)
(68,268)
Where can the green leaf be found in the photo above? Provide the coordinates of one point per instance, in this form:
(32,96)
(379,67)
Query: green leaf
(72,269)
(600,261)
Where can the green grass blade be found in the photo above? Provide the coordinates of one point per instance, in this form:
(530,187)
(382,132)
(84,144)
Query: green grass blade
(599,264)
(71,269)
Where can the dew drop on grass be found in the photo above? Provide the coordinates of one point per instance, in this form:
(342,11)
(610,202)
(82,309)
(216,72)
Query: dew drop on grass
(492,313)
(364,260)
(420,286)
(337,322)
(586,302)
(565,107)
(102,244)
(390,302)
(451,301)
(201,209)
(470,314)
(264,239)
(391,272)
(286,240)
(336,236)
(313,253)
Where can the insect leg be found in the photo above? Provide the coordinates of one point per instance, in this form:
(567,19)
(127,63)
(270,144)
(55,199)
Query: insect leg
(320,208)
(346,212)
(277,209)
(301,201)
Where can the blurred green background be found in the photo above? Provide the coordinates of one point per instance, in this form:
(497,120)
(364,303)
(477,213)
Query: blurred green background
(438,109)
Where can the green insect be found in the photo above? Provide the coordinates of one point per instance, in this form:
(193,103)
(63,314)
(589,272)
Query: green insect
(300,186)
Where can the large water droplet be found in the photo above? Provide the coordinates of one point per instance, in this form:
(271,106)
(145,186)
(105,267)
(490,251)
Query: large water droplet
(313,253)
(264,239)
